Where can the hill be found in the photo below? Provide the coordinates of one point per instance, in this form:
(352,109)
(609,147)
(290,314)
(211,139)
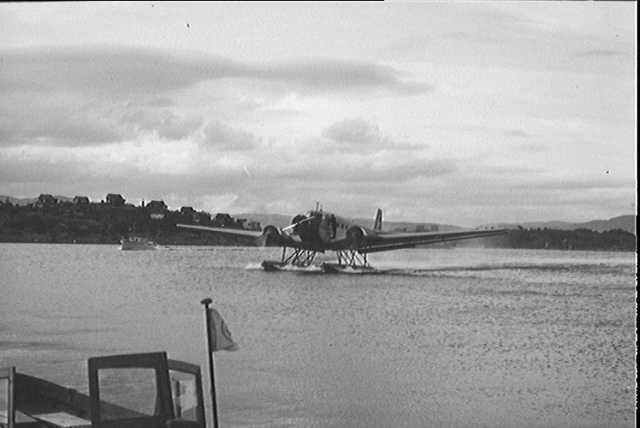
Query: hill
(280,220)
(623,222)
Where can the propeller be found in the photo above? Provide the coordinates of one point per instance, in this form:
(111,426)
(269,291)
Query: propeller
(274,235)
(292,226)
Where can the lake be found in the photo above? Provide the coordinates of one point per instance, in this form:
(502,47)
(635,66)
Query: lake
(444,337)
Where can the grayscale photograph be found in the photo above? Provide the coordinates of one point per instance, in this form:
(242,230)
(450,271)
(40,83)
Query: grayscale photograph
(318,214)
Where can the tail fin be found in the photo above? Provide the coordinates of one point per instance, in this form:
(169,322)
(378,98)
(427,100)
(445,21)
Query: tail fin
(377,224)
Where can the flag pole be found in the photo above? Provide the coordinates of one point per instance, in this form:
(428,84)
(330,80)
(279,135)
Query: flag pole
(206,302)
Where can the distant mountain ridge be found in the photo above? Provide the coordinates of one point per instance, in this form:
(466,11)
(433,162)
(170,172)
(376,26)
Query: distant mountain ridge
(624,222)
(280,220)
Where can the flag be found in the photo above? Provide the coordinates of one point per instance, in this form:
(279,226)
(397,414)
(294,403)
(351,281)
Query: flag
(221,339)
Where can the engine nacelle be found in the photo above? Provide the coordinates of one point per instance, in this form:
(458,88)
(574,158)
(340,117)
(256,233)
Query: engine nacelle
(356,237)
(270,236)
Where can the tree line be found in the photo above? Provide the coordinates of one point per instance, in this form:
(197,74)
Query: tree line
(556,239)
(108,221)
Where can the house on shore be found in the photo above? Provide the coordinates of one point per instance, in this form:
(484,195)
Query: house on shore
(156,209)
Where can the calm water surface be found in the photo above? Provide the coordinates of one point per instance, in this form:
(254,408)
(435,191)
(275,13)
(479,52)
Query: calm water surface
(457,338)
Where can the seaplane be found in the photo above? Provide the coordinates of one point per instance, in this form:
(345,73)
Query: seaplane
(318,231)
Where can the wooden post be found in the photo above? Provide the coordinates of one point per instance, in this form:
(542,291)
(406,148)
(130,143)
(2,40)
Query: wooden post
(206,302)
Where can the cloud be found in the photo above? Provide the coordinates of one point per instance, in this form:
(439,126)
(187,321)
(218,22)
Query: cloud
(355,131)
(216,202)
(73,96)
(161,102)
(164,123)
(351,169)
(58,128)
(238,161)
(420,188)
(70,121)
(536,37)
(147,123)
(118,71)
(64,119)
(607,183)
(219,136)
(23,171)
(341,75)
(111,71)
(359,134)
(516,133)
(604,53)
(398,171)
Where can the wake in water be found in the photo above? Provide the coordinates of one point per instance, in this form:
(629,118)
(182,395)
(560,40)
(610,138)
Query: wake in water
(459,270)
(287,268)
(253,266)
(546,267)
(318,269)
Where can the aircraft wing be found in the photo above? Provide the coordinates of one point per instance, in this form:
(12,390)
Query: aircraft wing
(272,237)
(227,230)
(396,241)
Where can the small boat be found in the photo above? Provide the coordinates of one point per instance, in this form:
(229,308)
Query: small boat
(125,391)
(137,243)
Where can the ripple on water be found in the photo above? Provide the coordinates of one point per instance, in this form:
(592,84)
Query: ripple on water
(437,338)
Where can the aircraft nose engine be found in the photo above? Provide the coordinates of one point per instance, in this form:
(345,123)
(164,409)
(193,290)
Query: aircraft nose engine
(305,226)
(297,219)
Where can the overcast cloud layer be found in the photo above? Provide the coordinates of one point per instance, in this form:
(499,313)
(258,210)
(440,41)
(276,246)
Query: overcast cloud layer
(463,114)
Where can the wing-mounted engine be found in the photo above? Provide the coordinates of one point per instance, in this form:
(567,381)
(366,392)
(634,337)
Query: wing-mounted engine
(271,237)
(356,237)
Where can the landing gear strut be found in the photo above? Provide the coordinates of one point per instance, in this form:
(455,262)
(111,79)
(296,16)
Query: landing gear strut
(297,257)
(350,261)
(302,258)
(352,258)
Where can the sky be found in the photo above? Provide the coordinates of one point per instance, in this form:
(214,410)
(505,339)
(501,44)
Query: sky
(459,113)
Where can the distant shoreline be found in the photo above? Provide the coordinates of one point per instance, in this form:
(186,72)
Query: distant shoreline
(250,246)
(49,220)
(534,240)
